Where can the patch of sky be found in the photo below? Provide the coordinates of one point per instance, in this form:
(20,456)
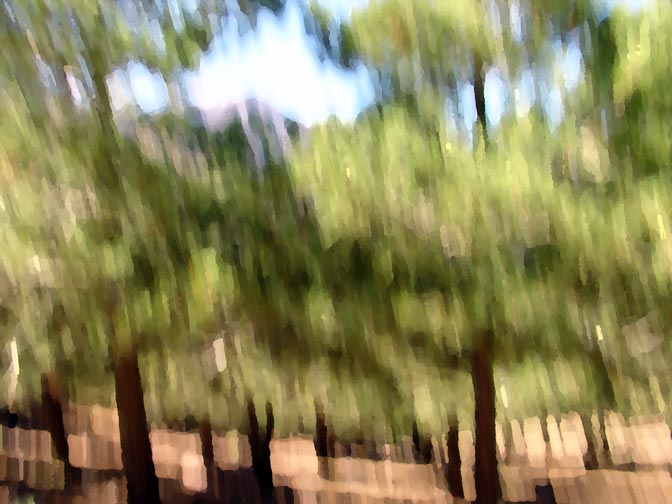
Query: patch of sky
(277,64)
(148,88)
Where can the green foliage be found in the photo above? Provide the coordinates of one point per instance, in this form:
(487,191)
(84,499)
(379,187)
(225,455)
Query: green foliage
(359,274)
(556,259)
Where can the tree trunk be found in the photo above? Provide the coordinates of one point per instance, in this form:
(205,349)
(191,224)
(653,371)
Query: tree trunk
(321,442)
(454,466)
(207,448)
(597,454)
(485,468)
(544,491)
(52,413)
(261,449)
(136,449)
(422,445)
(608,396)
(479,95)
(590,458)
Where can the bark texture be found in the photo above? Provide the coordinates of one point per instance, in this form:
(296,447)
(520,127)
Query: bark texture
(454,466)
(207,448)
(136,449)
(321,442)
(261,449)
(52,413)
(485,468)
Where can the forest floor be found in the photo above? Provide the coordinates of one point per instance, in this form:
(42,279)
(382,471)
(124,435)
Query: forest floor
(645,445)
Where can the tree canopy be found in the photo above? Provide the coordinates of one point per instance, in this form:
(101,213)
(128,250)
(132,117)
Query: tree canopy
(371,270)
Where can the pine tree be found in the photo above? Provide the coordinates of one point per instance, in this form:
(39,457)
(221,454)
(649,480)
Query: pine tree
(507,235)
(132,268)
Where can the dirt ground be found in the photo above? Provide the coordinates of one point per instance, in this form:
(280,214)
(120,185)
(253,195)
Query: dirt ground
(645,444)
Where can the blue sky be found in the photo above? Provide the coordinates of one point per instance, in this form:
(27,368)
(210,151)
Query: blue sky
(276,63)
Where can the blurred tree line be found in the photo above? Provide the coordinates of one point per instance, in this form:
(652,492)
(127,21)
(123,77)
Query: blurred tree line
(396,276)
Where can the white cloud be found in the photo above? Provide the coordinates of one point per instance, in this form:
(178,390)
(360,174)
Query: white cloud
(277,65)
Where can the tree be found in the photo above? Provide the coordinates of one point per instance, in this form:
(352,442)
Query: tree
(31,208)
(493,230)
(121,282)
(391,257)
